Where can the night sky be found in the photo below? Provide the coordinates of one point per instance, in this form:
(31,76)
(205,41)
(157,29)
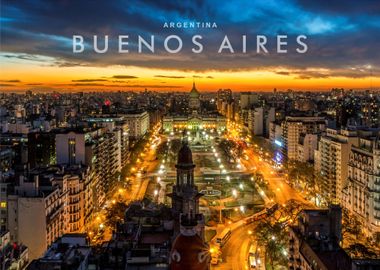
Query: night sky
(343,45)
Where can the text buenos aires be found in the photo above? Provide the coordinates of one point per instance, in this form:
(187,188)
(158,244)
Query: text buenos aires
(174,44)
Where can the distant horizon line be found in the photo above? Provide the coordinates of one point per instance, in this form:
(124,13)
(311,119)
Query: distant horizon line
(51,91)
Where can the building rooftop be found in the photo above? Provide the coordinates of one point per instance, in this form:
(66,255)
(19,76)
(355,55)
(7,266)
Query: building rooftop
(68,252)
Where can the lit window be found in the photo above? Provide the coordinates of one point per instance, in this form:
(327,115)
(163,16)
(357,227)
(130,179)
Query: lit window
(3,205)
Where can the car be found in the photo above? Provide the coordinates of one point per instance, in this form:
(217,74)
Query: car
(252,261)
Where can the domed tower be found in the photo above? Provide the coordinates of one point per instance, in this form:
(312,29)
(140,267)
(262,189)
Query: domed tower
(189,250)
(185,195)
(194,102)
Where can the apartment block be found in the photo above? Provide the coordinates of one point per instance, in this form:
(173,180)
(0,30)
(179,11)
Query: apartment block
(294,127)
(362,190)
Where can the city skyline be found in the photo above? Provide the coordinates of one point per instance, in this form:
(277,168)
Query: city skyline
(36,47)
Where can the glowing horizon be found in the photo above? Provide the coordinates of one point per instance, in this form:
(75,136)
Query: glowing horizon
(24,76)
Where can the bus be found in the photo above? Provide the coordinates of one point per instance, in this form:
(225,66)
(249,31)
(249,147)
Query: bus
(223,237)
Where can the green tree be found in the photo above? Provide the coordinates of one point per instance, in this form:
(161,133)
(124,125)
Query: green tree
(274,238)
(116,214)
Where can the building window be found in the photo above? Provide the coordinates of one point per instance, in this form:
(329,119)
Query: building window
(3,204)
(71,150)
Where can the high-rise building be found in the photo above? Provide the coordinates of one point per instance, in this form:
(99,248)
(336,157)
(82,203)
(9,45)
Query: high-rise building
(36,213)
(370,111)
(224,95)
(70,147)
(41,149)
(256,121)
(293,127)
(362,190)
(306,146)
(247,99)
(138,124)
(314,241)
(48,203)
(102,157)
(331,161)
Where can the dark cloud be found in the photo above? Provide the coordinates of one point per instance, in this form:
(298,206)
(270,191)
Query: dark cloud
(169,77)
(125,85)
(148,86)
(340,35)
(200,77)
(124,77)
(282,72)
(6,84)
(90,80)
(337,7)
(11,81)
(88,84)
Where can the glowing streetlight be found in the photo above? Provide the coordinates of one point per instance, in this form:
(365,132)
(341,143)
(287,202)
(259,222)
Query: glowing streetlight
(228,178)
(234,193)
(155,192)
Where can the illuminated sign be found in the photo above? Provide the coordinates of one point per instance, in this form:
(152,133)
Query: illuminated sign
(278,143)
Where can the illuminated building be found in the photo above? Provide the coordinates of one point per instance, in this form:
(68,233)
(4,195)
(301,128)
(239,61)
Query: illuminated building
(306,146)
(255,121)
(48,203)
(138,123)
(194,121)
(331,161)
(293,127)
(362,191)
